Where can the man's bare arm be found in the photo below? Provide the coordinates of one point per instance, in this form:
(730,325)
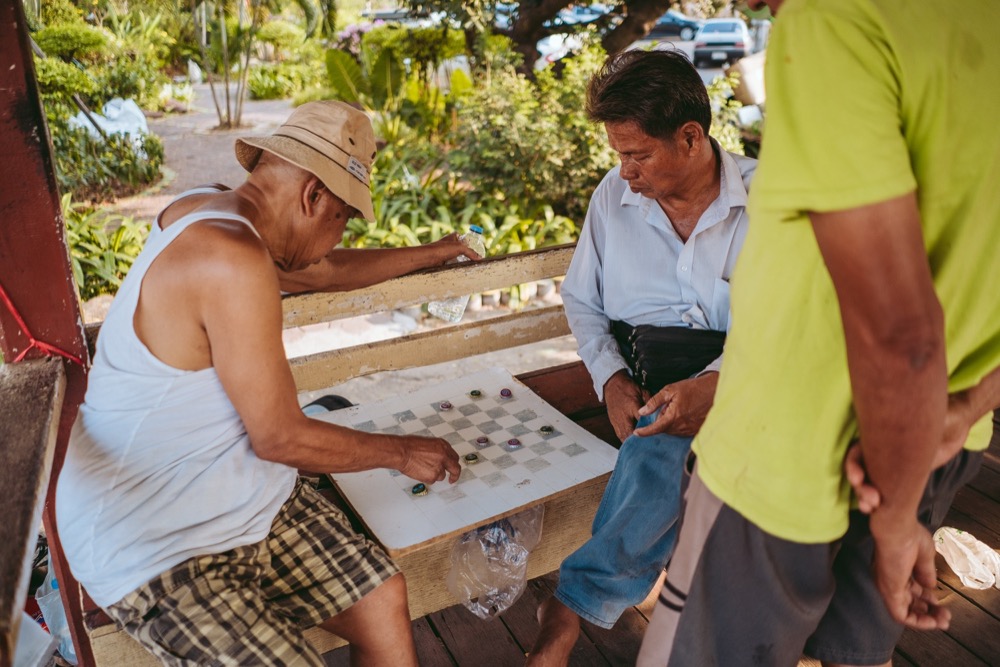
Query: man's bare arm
(894,333)
(241,311)
(345,269)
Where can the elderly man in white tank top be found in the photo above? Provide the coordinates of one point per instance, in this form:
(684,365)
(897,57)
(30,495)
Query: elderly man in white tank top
(179,505)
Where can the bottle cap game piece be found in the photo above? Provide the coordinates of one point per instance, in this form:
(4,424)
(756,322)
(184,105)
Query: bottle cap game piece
(505,393)
(446,405)
(472,458)
(475,393)
(419,490)
(513,442)
(546,429)
(482,440)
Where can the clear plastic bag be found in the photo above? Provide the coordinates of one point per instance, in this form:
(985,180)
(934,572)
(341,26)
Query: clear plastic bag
(489,565)
(975,563)
(50,603)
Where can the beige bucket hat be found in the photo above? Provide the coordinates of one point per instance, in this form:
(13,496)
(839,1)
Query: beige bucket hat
(330,139)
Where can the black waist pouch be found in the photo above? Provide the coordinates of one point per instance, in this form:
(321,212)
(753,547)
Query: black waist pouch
(658,356)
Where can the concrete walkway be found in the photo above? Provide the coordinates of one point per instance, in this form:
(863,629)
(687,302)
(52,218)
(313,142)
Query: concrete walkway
(197,154)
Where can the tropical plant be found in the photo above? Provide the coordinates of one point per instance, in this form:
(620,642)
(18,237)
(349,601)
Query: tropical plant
(102,247)
(725,112)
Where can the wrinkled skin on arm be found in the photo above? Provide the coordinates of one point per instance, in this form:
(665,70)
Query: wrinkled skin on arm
(346,269)
(894,334)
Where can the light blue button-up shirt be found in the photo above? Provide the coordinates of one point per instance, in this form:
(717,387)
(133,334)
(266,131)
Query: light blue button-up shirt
(631,265)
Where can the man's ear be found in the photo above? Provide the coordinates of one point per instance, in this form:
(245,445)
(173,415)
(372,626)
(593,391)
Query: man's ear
(312,195)
(691,135)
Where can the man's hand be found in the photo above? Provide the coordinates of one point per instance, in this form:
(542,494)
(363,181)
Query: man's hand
(958,421)
(684,404)
(430,460)
(905,575)
(623,398)
(448,248)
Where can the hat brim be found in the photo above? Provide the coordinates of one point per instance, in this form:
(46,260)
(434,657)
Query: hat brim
(334,176)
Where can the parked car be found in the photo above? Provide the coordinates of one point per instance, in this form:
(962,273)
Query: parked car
(673,23)
(722,41)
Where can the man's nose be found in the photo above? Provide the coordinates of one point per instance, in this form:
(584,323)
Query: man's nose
(629,170)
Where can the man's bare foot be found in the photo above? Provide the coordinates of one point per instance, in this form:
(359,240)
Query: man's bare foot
(559,630)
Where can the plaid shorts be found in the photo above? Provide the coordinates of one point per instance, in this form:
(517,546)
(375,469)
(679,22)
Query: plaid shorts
(249,605)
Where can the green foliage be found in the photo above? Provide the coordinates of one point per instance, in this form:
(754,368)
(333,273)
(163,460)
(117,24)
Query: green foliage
(94,170)
(418,200)
(130,76)
(725,113)
(102,247)
(273,81)
(423,48)
(56,12)
(58,81)
(531,142)
(376,87)
(72,40)
(283,36)
(142,35)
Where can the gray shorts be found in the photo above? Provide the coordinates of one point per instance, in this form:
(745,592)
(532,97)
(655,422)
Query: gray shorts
(736,595)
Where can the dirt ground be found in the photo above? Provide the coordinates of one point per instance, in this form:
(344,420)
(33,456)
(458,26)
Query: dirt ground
(195,154)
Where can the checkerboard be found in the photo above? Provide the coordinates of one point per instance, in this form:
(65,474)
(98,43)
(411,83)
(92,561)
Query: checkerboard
(549,455)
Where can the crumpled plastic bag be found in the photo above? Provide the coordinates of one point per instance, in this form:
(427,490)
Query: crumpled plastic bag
(489,565)
(51,606)
(975,563)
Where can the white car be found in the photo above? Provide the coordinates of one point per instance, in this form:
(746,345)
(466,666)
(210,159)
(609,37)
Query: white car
(721,41)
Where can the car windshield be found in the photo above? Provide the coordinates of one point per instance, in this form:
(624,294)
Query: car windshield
(721,27)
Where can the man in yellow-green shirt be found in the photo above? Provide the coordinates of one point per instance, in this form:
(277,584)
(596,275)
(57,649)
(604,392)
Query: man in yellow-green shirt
(863,298)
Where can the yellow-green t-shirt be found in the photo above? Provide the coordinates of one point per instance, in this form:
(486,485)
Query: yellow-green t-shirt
(867,100)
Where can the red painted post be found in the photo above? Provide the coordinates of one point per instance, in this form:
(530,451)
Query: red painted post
(34,263)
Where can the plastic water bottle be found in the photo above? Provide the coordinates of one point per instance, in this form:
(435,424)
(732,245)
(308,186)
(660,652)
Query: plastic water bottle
(452,310)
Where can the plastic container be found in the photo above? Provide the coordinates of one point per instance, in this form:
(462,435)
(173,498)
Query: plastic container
(452,310)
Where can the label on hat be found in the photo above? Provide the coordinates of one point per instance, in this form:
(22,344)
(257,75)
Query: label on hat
(358,170)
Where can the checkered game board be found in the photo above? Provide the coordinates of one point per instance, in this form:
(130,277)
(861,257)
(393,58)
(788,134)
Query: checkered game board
(549,455)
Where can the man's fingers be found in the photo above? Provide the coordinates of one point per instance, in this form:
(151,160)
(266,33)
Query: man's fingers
(661,398)
(854,469)
(662,423)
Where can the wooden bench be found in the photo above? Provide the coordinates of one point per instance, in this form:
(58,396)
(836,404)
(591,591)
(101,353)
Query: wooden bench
(567,387)
(31,398)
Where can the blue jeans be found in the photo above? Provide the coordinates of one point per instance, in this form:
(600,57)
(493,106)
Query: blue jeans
(634,531)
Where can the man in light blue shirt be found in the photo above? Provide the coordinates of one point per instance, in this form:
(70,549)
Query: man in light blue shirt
(658,246)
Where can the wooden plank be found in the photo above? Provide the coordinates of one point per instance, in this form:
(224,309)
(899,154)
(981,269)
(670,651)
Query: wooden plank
(568,388)
(31,398)
(935,648)
(431,650)
(973,629)
(522,622)
(473,641)
(326,369)
(899,660)
(987,482)
(973,503)
(433,284)
(620,645)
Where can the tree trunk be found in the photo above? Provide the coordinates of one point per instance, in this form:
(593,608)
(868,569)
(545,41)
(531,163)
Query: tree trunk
(640,19)
(528,28)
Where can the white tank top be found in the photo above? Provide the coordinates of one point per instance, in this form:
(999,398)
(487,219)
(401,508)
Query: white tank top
(159,467)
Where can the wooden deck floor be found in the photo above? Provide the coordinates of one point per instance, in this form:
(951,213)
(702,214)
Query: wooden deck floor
(456,637)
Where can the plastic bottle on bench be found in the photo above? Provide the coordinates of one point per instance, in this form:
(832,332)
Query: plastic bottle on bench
(452,310)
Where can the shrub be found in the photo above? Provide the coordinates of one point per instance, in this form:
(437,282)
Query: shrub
(531,142)
(271,81)
(102,247)
(283,36)
(55,12)
(132,75)
(725,113)
(58,81)
(72,40)
(95,170)
(423,48)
